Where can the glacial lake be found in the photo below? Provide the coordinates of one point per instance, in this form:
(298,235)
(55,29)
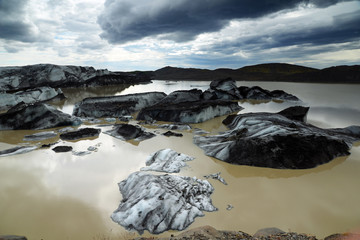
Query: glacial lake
(48,195)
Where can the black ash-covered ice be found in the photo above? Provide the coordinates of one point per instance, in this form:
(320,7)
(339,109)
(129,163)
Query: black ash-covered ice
(277,140)
(127,132)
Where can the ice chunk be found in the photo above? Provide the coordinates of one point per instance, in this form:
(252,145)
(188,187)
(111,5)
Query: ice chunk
(166,160)
(158,203)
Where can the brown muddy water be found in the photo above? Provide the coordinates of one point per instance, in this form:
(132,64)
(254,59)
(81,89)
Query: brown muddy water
(48,195)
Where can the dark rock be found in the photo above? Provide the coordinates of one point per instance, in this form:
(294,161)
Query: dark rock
(274,141)
(297,113)
(60,149)
(81,133)
(208,232)
(116,106)
(265,232)
(188,112)
(35,116)
(172,134)
(343,236)
(12,237)
(17,150)
(258,93)
(129,132)
(226,89)
(48,145)
(282,95)
(158,203)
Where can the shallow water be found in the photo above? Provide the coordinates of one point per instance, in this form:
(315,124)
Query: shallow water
(48,195)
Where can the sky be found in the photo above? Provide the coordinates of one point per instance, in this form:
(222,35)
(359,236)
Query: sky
(128,35)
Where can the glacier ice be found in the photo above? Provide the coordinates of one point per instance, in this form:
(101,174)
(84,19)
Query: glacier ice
(158,203)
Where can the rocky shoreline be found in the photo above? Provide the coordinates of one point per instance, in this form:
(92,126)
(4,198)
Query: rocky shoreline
(210,233)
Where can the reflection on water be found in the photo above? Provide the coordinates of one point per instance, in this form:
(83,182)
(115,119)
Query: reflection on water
(47,195)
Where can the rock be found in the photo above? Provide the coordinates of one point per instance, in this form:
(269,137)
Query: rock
(208,232)
(297,113)
(188,112)
(12,237)
(25,77)
(217,177)
(116,106)
(40,136)
(35,116)
(129,132)
(258,93)
(282,95)
(41,94)
(181,96)
(173,134)
(266,232)
(17,150)
(59,149)
(79,134)
(274,141)
(166,160)
(224,89)
(48,145)
(158,203)
(343,236)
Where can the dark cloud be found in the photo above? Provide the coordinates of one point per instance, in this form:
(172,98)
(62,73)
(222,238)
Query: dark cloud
(182,20)
(11,49)
(12,21)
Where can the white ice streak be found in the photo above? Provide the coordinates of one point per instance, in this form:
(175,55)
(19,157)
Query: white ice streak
(40,136)
(17,150)
(206,113)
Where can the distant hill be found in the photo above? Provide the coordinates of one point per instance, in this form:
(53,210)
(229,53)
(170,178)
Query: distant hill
(280,72)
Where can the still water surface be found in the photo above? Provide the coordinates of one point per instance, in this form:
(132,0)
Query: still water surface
(47,195)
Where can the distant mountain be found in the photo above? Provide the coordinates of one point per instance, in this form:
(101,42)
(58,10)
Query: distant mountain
(280,72)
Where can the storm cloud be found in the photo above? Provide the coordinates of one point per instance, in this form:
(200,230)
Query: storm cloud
(13,25)
(182,20)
